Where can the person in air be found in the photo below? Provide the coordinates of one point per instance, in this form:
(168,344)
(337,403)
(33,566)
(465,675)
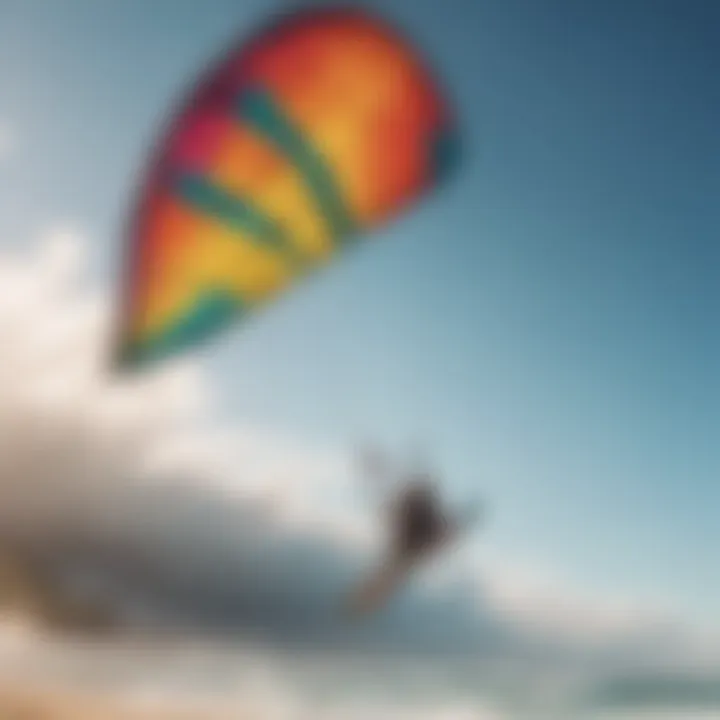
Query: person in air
(418,524)
(417,518)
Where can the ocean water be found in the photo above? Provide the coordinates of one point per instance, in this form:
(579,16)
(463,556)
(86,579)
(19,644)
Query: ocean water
(252,680)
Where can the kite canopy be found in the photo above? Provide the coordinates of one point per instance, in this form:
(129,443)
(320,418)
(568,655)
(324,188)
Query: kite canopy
(315,131)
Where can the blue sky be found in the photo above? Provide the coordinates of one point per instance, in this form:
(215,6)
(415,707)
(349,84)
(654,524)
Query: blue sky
(548,321)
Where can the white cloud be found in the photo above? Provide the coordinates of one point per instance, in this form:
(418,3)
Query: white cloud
(547,605)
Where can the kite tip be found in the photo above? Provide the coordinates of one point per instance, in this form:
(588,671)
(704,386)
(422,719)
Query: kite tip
(124,358)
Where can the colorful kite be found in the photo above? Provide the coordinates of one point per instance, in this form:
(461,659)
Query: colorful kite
(296,144)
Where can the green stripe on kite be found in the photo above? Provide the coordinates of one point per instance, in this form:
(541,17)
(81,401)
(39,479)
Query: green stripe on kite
(257,108)
(201,194)
(211,313)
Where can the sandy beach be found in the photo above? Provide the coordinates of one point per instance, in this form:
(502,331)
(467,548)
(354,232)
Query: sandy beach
(32,704)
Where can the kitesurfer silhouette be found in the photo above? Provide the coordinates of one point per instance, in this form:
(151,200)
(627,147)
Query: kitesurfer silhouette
(419,527)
